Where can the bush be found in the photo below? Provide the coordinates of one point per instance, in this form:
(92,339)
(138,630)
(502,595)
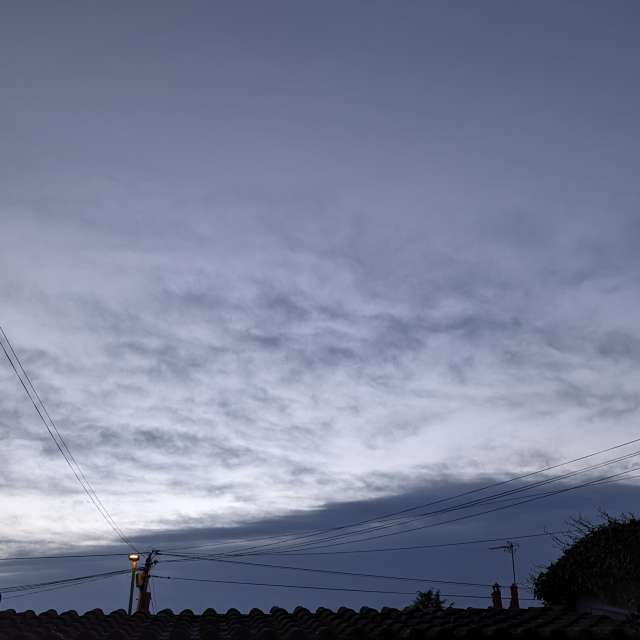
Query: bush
(598,560)
(428,600)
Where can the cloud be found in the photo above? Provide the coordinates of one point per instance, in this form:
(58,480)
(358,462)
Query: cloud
(243,299)
(295,377)
(620,345)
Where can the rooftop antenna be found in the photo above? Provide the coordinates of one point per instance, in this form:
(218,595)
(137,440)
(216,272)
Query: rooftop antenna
(511,548)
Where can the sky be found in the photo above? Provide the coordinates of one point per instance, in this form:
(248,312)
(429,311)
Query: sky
(279,264)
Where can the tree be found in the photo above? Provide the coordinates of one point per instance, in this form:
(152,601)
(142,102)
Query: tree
(428,601)
(598,560)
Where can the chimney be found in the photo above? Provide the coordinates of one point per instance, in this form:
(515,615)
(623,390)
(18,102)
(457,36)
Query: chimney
(496,597)
(515,601)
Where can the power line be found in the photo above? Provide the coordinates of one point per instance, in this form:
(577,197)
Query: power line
(308,553)
(455,507)
(508,495)
(485,500)
(38,585)
(318,588)
(326,571)
(99,504)
(627,478)
(36,591)
(298,586)
(60,442)
(284,586)
(289,539)
(354,574)
(65,556)
(495,509)
(463,517)
(407,548)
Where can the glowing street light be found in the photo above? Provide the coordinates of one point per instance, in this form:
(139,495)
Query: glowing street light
(133,558)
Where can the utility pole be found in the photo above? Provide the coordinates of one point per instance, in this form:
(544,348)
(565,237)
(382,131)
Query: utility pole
(142,580)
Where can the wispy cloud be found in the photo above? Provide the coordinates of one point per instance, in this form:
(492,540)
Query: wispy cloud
(269,274)
(238,386)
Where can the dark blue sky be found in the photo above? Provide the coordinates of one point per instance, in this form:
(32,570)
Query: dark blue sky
(273,258)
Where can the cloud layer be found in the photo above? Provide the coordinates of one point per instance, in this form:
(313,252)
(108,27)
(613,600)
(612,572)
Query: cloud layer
(251,276)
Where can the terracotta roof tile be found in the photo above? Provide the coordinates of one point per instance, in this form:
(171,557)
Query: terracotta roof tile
(323,624)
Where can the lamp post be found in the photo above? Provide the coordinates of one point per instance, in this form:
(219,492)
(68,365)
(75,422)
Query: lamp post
(133,558)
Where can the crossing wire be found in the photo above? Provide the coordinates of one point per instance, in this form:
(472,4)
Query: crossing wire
(440,545)
(315,544)
(465,505)
(60,442)
(485,500)
(494,510)
(73,556)
(65,556)
(186,557)
(59,581)
(318,588)
(287,540)
(36,590)
(325,571)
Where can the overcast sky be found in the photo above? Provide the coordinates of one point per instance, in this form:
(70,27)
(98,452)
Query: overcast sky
(265,258)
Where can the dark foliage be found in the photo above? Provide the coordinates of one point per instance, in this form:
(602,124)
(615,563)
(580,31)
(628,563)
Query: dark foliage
(428,600)
(598,560)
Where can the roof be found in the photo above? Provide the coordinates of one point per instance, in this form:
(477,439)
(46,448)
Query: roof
(302,624)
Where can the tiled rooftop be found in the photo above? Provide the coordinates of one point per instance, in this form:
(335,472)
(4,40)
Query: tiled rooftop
(302,624)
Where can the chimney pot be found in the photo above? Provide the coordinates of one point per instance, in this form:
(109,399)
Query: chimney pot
(515,600)
(496,597)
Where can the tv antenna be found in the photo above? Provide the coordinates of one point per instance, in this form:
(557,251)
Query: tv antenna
(511,548)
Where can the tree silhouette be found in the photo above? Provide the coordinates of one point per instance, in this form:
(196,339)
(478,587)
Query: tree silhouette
(428,600)
(598,560)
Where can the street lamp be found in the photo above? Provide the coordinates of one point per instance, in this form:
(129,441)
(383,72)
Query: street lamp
(133,558)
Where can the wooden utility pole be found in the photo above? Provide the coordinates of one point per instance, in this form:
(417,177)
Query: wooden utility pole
(142,579)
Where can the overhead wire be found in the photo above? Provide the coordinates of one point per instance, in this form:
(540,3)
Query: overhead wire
(100,504)
(317,544)
(309,553)
(92,494)
(499,497)
(60,443)
(627,478)
(456,507)
(65,556)
(37,585)
(317,588)
(443,522)
(495,509)
(36,591)
(186,557)
(281,539)
(440,545)
(326,571)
